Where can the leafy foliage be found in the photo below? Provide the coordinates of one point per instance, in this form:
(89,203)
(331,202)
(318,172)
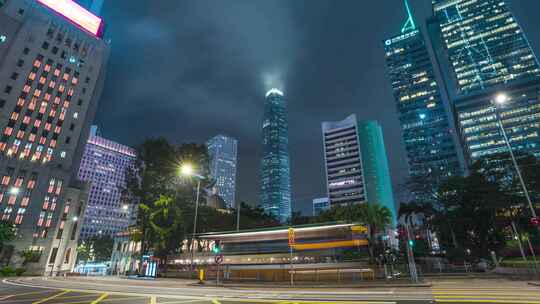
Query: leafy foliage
(7,232)
(166,200)
(471,214)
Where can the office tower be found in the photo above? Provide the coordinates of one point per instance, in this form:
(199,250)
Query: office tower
(483,53)
(52,70)
(343,162)
(275,167)
(427,127)
(378,183)
(223,154)
(320,205)
(105,164)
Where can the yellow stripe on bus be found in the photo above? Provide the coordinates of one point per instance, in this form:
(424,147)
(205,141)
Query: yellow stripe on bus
(328,245)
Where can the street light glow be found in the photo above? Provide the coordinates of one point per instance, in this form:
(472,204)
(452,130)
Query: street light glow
(186,170)
(501,98)
(14,190)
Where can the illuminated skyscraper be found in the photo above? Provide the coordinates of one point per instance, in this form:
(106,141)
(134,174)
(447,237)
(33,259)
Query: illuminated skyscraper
(105,164)
(52,70)
(483,52)
(223,153)
(275,167)
(425,116)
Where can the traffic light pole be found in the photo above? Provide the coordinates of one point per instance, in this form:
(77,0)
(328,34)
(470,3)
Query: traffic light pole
(410,256)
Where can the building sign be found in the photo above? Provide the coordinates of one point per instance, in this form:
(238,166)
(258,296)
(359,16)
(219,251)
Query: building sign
(76,14)
(401,37)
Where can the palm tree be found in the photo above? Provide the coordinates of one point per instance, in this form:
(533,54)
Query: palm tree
(377,218)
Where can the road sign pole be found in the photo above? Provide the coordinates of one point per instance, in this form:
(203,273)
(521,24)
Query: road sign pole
(291,243)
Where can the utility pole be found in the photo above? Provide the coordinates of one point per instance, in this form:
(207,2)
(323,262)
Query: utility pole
(410,256)
(238,216)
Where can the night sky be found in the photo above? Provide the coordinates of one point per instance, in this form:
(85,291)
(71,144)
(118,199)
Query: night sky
(190,69)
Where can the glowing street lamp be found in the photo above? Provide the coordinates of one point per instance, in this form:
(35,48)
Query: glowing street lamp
(501,98)
(188,171)
(14,191)
(499,101)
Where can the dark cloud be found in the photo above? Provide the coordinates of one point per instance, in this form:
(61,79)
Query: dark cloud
(189,69)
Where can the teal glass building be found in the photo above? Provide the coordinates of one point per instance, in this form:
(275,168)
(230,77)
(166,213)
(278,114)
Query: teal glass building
(275,165)
(378,183)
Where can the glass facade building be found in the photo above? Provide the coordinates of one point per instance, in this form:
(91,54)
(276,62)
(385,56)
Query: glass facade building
(427,127)
(320,205)
(483,52)
(223,155)
(275,164)
(376,170)
(484,44)
(105,164)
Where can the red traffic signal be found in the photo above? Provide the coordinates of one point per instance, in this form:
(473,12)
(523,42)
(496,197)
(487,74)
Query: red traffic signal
(535,221)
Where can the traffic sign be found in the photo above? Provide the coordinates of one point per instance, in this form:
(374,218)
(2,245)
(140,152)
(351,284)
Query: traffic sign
(218,259)
(291,237)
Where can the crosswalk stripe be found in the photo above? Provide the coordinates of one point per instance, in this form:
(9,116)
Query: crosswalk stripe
(51,297)
(103,296)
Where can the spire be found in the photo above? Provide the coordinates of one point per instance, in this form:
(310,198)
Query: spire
(409,24)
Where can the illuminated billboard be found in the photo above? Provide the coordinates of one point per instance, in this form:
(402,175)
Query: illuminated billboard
(76,14)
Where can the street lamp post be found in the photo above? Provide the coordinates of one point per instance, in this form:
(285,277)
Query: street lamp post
(501,99)
(187,170)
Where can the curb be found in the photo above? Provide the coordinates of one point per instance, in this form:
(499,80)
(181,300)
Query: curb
(534,283)
(210,285)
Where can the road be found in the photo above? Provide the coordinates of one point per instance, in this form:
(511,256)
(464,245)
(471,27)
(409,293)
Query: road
(122,291)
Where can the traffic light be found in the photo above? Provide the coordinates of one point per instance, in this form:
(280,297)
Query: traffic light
(411,243)
(534,221)
(216,249)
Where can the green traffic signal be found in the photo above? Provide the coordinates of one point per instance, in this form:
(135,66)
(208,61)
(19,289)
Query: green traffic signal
(216,250)
(411,243)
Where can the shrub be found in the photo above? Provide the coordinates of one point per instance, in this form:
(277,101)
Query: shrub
(7,271)
(19,271)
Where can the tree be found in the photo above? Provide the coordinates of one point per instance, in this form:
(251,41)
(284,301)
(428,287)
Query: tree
(167,226)
(102,247)
(470,204)
(7,232)
(84,251)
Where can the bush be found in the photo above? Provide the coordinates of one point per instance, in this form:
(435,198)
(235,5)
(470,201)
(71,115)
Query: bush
(7,271)
(19,271)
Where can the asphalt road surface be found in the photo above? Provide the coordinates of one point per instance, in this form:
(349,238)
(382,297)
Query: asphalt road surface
(123,291)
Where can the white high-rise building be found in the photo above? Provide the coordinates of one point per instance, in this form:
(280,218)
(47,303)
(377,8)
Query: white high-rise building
(343,159)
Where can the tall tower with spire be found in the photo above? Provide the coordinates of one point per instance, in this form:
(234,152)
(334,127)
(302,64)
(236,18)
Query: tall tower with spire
(275,167)
(427,128)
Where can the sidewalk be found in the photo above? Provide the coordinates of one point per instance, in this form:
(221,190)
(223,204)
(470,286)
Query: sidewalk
(309,285)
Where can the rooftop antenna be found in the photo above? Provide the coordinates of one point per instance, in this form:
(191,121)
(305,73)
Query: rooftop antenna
(409,24)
